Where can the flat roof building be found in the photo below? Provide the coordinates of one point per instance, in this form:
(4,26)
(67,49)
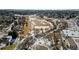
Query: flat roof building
(71,33)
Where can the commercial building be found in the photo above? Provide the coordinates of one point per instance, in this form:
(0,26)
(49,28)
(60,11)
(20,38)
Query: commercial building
(71,33)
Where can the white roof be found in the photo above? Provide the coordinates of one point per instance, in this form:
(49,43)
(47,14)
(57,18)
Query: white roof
(71,33)
(43,27)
